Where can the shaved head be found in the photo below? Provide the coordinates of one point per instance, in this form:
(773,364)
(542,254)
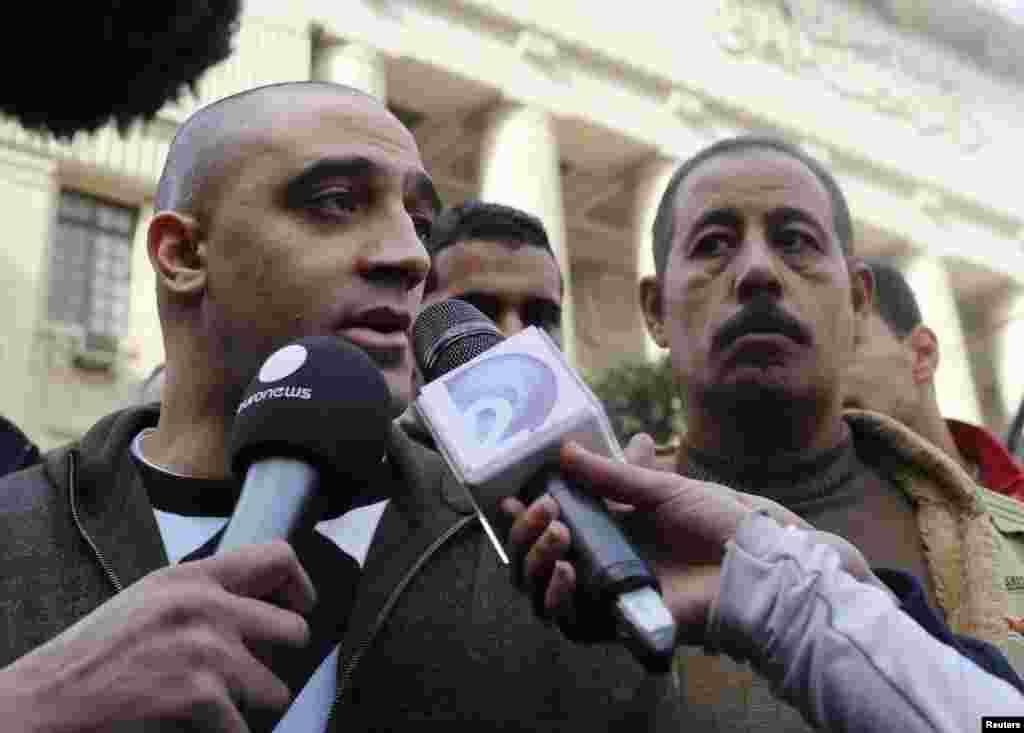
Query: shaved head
(287,211)
(205,142)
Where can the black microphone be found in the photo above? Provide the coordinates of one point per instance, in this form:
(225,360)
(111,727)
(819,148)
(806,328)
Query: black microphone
(310,431)
(498,410)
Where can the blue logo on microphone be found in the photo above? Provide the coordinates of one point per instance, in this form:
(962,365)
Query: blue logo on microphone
(503,395)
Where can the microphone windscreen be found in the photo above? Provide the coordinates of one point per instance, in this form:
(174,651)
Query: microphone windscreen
(321,400)
(448,334)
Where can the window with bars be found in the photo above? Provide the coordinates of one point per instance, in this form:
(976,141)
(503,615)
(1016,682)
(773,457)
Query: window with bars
(90,268)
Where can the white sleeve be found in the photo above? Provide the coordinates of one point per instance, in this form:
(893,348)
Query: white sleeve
(841,651)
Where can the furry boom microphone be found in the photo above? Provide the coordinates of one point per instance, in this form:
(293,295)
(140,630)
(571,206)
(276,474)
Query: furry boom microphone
(120,60)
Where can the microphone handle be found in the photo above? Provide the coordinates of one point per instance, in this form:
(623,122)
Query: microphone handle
(279,498)
(606,563)
(612,578)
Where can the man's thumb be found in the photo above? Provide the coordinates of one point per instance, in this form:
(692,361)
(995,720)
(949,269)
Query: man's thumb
(640,451)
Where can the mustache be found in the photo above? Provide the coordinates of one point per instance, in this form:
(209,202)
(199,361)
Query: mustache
(759,317)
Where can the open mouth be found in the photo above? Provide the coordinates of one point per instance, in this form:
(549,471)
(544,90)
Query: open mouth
(379,329)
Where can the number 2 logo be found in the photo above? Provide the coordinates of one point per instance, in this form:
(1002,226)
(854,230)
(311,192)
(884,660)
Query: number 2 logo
(489,418)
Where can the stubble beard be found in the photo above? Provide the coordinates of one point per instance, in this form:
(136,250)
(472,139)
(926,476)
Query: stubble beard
(760,418)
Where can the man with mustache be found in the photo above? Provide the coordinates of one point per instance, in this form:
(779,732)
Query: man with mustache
(761,302)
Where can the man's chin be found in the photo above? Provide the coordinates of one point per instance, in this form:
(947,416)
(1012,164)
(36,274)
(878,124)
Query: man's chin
(754,388)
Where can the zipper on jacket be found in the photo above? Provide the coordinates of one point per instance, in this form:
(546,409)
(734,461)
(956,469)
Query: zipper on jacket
(350,666)
(72,496)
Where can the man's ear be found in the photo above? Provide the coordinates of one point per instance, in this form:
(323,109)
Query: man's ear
(177,253)
(862,294)
(925,346)
(650,304)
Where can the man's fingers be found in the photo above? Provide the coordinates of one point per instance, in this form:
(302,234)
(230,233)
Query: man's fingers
(532,522)
(217,710)
(262,622)
(776,511)
(539,563)
(640,451)
(618,481)
(270,571)
(558,596)
(252,684)
(512,507)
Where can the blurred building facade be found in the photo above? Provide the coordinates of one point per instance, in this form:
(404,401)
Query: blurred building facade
(577,112)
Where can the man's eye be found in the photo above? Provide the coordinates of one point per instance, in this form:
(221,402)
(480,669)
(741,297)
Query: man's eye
(711,245)
(335,202)
(796,241)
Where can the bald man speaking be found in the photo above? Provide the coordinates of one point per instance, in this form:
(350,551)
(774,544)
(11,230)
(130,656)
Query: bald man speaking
(285,212)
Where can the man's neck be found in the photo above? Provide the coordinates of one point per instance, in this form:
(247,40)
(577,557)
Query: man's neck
(191,437)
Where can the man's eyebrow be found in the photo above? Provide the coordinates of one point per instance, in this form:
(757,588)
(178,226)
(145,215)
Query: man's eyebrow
(350,167)
(729,218)
(787,214)
(419,184)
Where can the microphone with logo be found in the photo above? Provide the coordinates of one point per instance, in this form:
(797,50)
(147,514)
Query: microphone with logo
(310,431)
(499,410)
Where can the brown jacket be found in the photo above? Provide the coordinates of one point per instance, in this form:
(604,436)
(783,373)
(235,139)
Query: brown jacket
(961,544)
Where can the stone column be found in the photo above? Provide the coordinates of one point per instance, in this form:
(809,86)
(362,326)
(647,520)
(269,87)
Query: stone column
(954,382)
(354,64)
(519,167)
(1009,353)
(651,182)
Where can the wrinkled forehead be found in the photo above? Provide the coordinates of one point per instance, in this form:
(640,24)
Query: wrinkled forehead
(753,181)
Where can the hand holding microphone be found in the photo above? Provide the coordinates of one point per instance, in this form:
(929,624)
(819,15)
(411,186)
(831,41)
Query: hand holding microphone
(685,524)
(192,643)
(498,410)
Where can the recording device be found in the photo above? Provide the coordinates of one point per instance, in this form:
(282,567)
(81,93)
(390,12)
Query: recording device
(499,410)
(310,431)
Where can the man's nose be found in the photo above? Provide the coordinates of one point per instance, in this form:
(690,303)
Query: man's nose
(757,270)
(510,322)
(397,257)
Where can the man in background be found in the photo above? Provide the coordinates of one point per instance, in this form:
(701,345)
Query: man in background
(893,373)
(498,259)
